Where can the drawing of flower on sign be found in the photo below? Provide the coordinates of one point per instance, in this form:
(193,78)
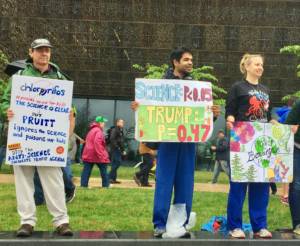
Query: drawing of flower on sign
(261,152)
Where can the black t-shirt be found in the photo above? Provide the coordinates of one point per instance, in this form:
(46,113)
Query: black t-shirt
(248,102)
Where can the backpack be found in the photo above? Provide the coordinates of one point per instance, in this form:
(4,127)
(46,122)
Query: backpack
(108,134)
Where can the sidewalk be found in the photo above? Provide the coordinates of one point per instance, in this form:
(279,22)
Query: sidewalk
(125,183)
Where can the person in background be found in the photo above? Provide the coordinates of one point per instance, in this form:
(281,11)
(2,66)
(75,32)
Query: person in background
(117,150)
(142,177)
(95,152)
(222,155)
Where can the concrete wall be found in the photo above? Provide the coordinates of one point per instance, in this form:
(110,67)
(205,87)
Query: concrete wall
(97,41)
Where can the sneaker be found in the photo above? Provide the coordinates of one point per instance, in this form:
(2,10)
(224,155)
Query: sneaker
(297,230)
(263,233)
(70,196)
(146,185)
(25,230)
(158,232)
(284,200)
(137,180)
(64,230)
(237,233)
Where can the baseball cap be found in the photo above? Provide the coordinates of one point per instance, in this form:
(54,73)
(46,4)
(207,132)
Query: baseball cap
(40,42)
(100,119)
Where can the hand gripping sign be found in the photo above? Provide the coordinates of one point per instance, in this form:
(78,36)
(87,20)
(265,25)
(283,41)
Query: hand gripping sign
(173,110)
(39,131)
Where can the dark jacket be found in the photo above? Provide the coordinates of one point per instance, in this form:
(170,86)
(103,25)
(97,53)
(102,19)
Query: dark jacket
(117,139)
(293,118)
(222,149)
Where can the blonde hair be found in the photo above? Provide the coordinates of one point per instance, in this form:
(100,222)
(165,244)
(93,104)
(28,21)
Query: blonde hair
(246,60)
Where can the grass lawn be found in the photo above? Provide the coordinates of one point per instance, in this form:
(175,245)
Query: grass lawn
(126,210)
(125,172)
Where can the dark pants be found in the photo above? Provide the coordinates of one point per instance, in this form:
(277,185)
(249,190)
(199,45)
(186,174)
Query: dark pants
(294,190)
(68,182)
(87,170)
(116,159)
(145,168)
(174,170)
(258,199)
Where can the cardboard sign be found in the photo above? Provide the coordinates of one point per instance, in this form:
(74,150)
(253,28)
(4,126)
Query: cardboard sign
(39,131)
(173,110)
(261,152)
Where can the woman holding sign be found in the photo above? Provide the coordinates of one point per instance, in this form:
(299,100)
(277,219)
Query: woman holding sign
(248,100)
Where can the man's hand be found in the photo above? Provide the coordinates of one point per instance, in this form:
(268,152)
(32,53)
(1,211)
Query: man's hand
(10,114)
(230,121)
(134,105)
(216,109)
(213,147)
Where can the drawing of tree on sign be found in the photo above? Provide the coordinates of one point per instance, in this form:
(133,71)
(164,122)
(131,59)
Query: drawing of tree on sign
(251,173)
(237,173)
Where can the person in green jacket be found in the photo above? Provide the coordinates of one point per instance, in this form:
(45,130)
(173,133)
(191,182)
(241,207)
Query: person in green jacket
(39,65)
(293,119)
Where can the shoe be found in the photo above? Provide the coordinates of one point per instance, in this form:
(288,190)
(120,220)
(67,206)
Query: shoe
(25,230)
(237,233)
(284,201)
(297,230)
(115,182)
(146,185)
(64,230)
(158,232)
(70,197)
(136,180)
(262,233)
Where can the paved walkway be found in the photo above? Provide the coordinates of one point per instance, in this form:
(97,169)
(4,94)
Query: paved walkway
(125,183)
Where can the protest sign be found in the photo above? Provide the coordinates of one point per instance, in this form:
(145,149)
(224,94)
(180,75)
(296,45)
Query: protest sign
(173,110)
(39,131)
(261,152)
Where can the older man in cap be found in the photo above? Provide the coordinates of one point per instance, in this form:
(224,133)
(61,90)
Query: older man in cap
(39,65)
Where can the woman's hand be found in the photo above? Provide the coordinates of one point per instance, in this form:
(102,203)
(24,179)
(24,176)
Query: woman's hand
(294,128)
(230,121)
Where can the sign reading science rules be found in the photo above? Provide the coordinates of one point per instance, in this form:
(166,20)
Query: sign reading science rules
(39,131)
(173,110)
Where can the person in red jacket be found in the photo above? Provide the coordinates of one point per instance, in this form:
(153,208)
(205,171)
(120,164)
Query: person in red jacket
(95,152)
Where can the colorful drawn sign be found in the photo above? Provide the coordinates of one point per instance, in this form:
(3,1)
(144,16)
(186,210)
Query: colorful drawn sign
(261,152)
(39,131)
(173,110)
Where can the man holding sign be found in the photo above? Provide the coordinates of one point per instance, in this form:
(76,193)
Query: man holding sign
(158,115)
(51,176)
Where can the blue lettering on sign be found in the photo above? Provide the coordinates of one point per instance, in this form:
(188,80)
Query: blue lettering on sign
(41,91)
(39,153)
(162,93)
(30,120)
(56,158)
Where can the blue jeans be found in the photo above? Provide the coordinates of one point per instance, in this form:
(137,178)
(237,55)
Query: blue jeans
(258,199)
(116,159)
(67,176)
(294,190)
(174,170)
(87,170)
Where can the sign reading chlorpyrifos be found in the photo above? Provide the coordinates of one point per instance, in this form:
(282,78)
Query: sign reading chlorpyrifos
(173,110)
(39,131)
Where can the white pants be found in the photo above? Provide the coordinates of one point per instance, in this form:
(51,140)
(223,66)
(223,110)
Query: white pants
(53,187)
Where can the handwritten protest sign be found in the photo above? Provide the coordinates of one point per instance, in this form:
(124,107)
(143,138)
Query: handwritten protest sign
(39,131)
(173,110)
(261,152)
